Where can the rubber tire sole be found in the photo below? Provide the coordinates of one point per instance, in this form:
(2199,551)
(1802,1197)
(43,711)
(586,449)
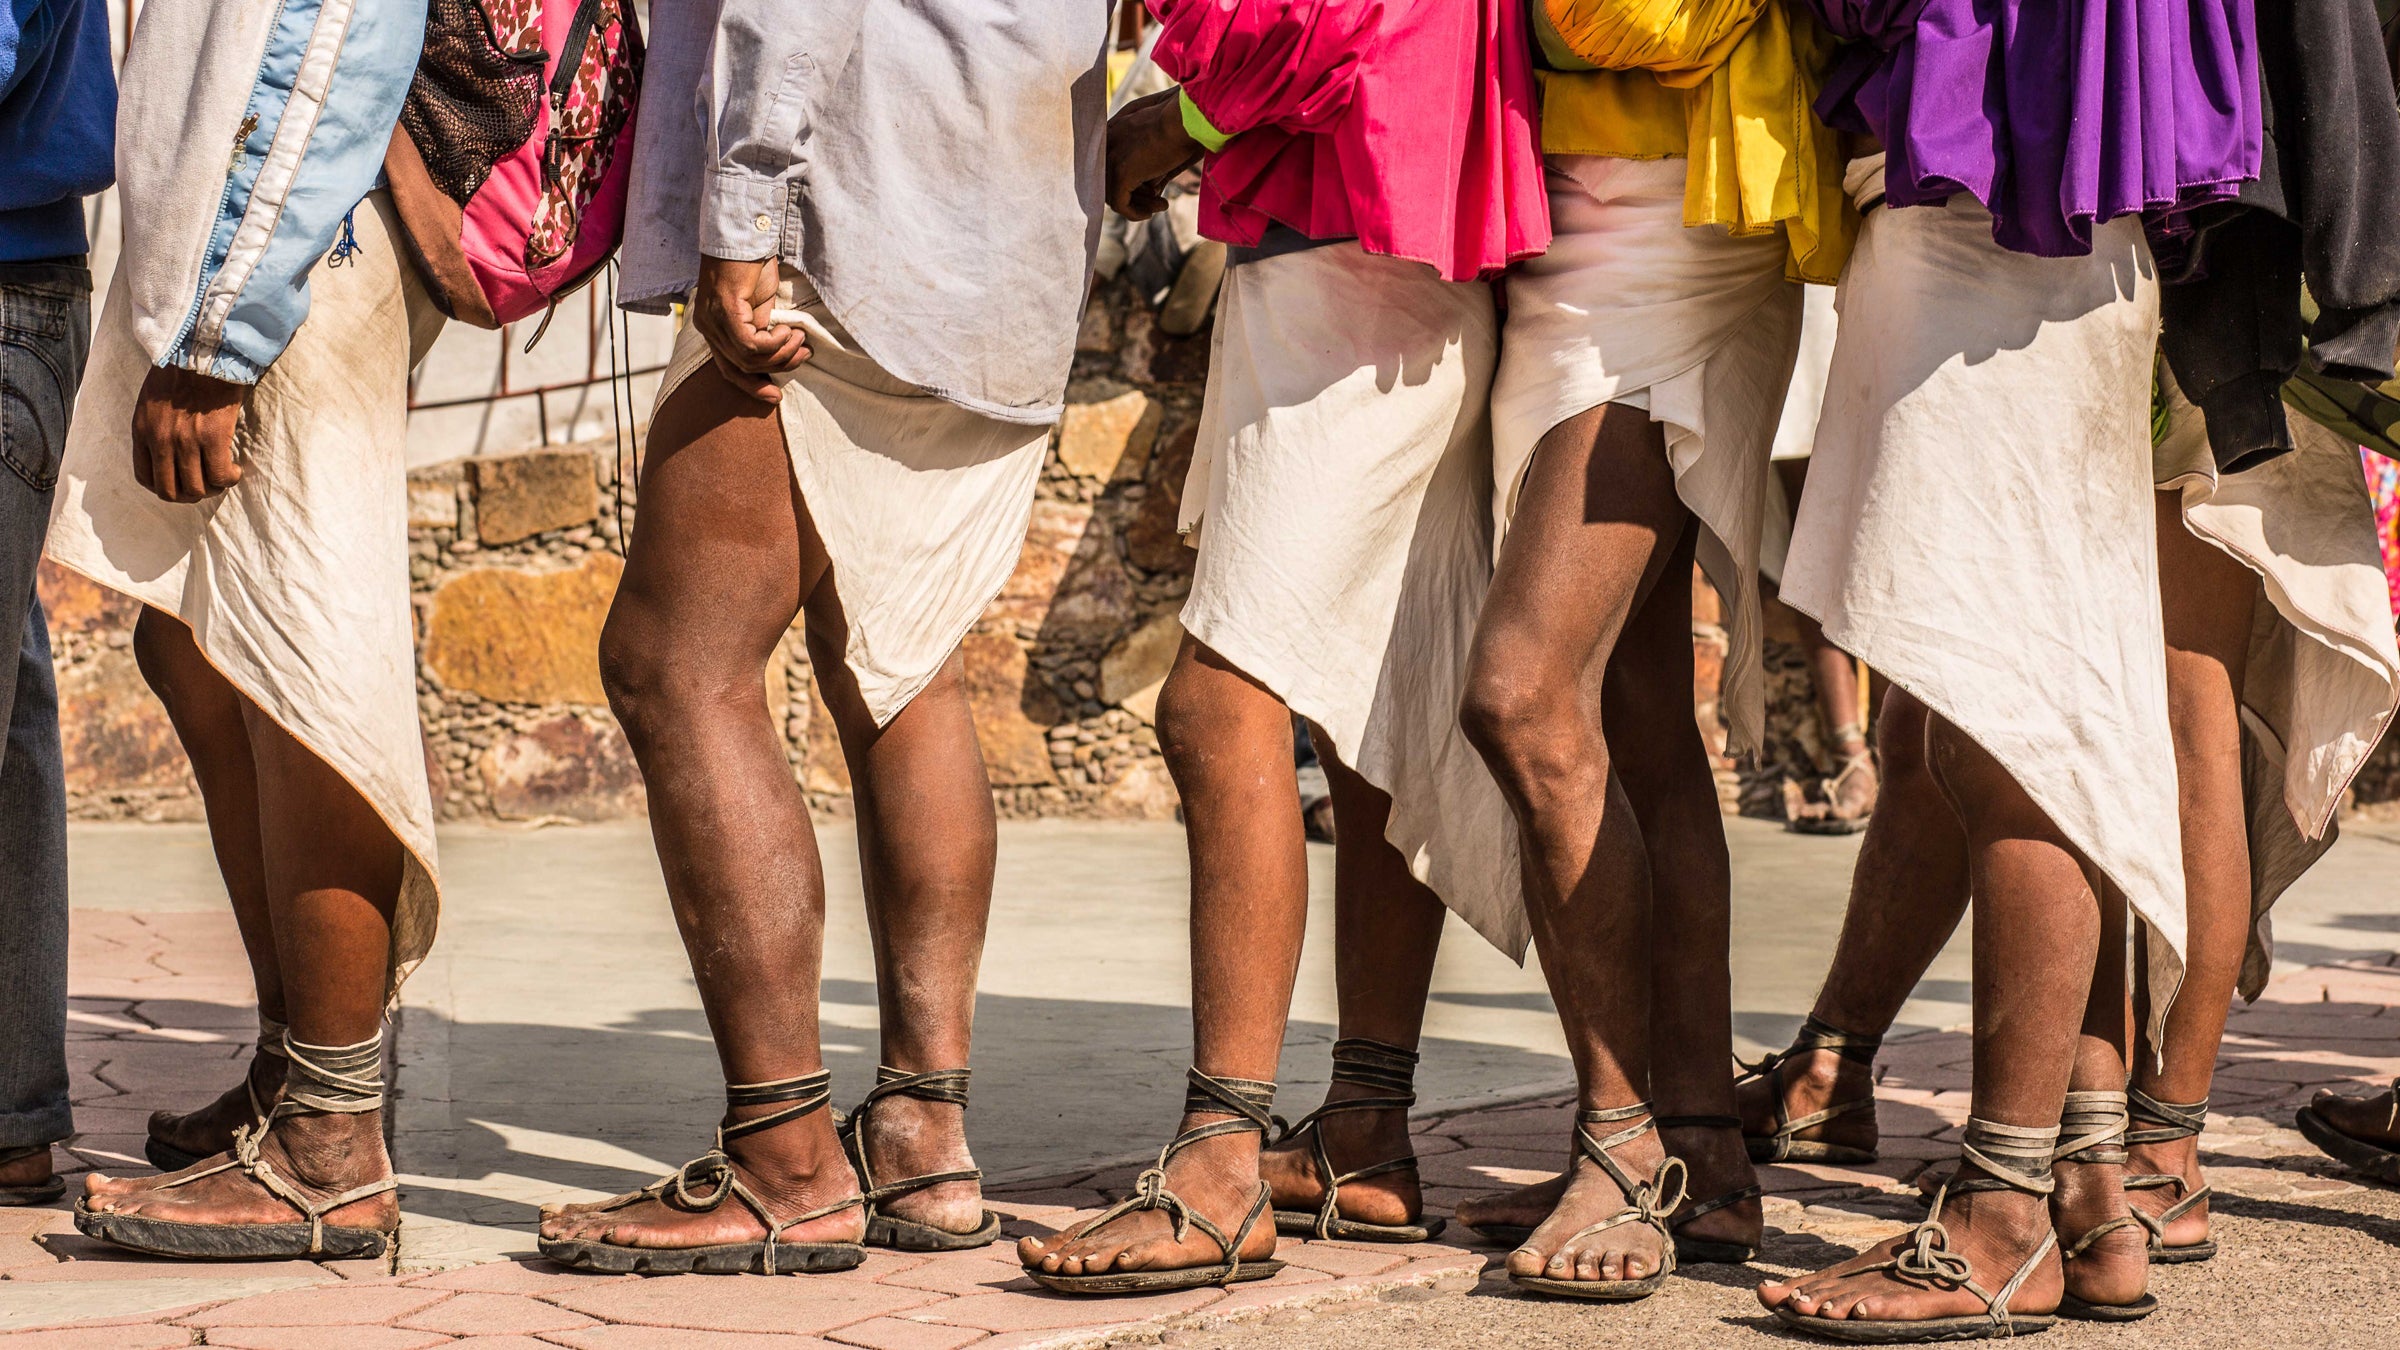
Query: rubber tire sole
(1594,1291)
(1978,1328)
(1155,1281)
(232,1242)
(733,1258)
(2073,1307)
(41,1193)
(1299,1224)
(2183,1255)
(2373,1161)
(907,1235)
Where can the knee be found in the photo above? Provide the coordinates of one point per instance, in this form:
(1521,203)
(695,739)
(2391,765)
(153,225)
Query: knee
(1516,719)
(1186,719)
(1900,742)
(653,683)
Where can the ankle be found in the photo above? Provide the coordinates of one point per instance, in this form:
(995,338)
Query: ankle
(333,1149)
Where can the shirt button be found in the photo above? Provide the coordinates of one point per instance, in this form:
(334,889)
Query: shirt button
(765,223)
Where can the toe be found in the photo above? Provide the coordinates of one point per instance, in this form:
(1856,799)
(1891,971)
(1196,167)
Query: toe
(1528,1262)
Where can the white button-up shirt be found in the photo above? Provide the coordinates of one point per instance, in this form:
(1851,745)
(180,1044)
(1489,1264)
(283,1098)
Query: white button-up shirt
(933,166)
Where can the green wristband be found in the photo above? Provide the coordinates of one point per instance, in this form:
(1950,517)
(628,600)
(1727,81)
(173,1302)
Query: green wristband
(1197,125)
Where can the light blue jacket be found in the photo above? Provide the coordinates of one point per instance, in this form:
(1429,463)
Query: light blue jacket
(247,133)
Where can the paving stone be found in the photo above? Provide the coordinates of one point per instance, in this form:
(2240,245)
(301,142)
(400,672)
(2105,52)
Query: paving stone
(971,1275)
(780,1303)
(320,1307)
(893,1333)
(1333,1260)
(678,1338)
(510,1342)
(318,1338)
(1044,1312)
(478,1314)
(882,1263)
(518,1277)
(98,1338)
(29,1221)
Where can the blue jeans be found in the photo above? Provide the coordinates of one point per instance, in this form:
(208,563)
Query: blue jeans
(45,332)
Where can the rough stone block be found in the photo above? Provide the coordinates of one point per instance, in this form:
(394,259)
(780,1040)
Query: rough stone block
(1052,537)
(74,603)
(579,768)
(1012,719)
(114,732)
(433,499)
(524,637)
(1144,791)
(1133,670)
(1151,539)
(519,496)
(1107,431)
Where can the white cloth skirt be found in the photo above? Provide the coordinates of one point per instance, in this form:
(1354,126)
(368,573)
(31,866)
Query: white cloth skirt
(921,503)
(2323,676)
(1690,324)
(294,582)
(1796,428)
(1979,527)
(1340,499)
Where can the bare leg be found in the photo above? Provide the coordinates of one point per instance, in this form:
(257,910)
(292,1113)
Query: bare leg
(723,561)
(332,873)
(1387,928)
(2037,942)
(1228,742)
(1598,524)
(208,718)
(1907,895)
(2208,598)
(2113,1267)
(927,837)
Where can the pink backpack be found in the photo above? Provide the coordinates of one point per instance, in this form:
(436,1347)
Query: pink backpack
(509,167)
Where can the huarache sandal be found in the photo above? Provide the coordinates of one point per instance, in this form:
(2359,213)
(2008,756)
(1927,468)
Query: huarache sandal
(324,1080)
(1361,1063)
(1783,1142)
(2009,1153)
(1833,821)
(707,1182)
(1247,1100)
(2377,1162)
(1689,1251)
(890,1230)
(39,1192)
(2164,1123)
(167,1157)
(2095,1123)
(1647,1202)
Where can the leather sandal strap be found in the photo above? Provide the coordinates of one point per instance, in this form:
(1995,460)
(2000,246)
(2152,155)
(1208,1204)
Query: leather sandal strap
(2093,1124)
(1725,1201)
(1248,1101)
(244,1158)
(2084,1243)
(809,1093)
(935,1085)
(1363,1062)
(2163,1122)
(1598,1149)
(2017,1157)
(1930,1257)
(1697,1122)
(1856,1047)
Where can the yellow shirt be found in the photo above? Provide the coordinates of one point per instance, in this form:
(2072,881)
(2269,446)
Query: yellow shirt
(1724,83)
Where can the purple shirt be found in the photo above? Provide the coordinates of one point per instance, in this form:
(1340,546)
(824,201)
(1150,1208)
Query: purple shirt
(2055,114)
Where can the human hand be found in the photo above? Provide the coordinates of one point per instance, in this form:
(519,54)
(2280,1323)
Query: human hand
(1147,145)
(183,428)
(731,308)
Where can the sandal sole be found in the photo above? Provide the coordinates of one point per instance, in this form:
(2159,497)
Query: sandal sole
(2076,1308)
(907,1235)
(1155,1281)
(738,1258)
(2373,1161)
(1294,1223)
(1805,1151)
(1593,1291)
(1702,1252)
(232,1242)
(1853,826)
(2183,1255)
(1978,1328)
(40,1194)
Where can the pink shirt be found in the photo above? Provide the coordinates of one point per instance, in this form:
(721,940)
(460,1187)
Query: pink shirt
(1409,124)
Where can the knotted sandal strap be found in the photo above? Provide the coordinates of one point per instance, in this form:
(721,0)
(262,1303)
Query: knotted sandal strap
(1813,1036)
(271,1043)
(936,1085)
(1249,1102)
(2165,1123)
(2093,1133)
(2018,1159)
(706,1182)
(1647,1202)
(321,1080)
(1359,1062)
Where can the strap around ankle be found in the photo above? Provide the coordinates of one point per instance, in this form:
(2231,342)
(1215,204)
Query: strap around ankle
(948,1086)
(331,1079)
(2014,1157)
(2093,1129)
(810,1092)
(1250,1099)
(271,1034)
(2164,1122)
(1361,1062)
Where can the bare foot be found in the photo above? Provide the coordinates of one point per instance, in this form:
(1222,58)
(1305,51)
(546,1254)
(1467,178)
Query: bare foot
(2089,1209)
(907,1137)
(1803,1083)
(1218,1178)
(793,1168)
(1986,1236)
(209,1130)
(1511,1214)
(33,1171)
(320,1155)
(2179,1159)
(1353,1139)
(1719,1165)
(2373,1120)
(1561,1249)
